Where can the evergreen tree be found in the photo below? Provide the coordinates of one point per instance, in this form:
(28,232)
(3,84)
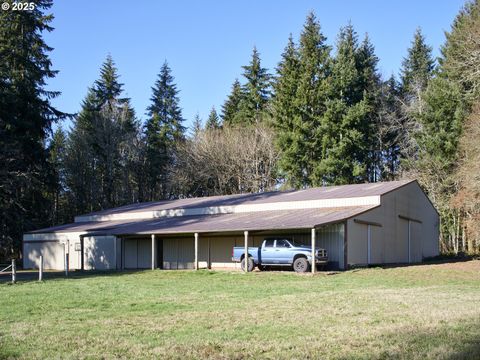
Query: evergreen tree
(196,126)
(256,91)
(346,143)
(440,116)
(57,150)
(26,115)
(231,107)
(163,130)
(213,121)
(301,146)
(459,60)
(417,67)
(81,162)
(389,130)
(285,110)
(102,141)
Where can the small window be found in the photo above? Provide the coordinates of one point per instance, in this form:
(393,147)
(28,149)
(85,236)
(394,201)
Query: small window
(282,244)
(269,242)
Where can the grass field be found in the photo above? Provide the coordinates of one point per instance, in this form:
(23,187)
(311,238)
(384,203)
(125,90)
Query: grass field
(419,312)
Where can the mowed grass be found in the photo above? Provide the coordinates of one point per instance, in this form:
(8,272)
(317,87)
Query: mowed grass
(418,312)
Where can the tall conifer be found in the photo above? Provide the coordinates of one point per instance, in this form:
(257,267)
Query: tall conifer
(163,130)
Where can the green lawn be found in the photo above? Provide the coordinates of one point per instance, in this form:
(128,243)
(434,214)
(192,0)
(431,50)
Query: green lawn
(430,311)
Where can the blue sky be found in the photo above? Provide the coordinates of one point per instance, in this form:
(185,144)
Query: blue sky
(206,42)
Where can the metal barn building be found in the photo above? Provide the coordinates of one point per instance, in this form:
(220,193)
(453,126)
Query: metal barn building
(377,223)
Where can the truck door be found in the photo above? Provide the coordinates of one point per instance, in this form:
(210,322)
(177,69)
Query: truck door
(283,254)
(268,252)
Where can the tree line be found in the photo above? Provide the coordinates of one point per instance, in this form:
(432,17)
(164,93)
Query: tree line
(323,116)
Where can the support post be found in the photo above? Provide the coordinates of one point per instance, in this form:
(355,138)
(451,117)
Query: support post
(196,252)
(245,234)
(40,269)
(82,253)
(369,244)
(314,264)
(209,261)
(14,272)
(66,263)
(153,252)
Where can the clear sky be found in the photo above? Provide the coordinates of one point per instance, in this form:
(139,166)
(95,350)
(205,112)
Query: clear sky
(206,42)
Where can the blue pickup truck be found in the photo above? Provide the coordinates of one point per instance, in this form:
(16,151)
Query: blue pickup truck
(279,252)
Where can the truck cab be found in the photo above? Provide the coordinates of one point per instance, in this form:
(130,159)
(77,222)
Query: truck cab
(280,251)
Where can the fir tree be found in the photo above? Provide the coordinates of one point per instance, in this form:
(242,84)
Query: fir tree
(256,91)
(102,142)
(26,115)
(57,149)
(231,107)
(163,130)
(285,110)
(389,132)
(196,126)
(417,67)
(301,149)
(213,121)
(347,125)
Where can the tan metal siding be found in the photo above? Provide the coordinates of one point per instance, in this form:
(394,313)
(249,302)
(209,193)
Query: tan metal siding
(130,254)
(415,242)
(392,238)
(186,253)
(221,251)
(169,254)
(53,255)
(377,250)
(144,253)
(331,238)
(99,252)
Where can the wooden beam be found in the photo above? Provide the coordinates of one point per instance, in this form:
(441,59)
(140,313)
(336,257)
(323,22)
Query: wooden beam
(363,222)
(245,234)
(314,265)
(196,252)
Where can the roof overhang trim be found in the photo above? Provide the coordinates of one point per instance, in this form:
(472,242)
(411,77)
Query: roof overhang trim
(236,209)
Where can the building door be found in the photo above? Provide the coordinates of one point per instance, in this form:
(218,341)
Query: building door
(159,252)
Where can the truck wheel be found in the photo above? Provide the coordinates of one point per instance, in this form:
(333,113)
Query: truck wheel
(300,265)
(249,264)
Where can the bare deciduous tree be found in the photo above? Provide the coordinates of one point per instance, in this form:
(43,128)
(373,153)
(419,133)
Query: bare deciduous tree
(226,161)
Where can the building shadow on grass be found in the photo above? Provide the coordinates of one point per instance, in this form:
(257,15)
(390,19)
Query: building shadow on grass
(32,275)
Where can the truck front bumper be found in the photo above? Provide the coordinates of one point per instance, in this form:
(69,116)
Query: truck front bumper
(320,260)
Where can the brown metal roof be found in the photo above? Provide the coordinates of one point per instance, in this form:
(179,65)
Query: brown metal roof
(319,193)
(265,220)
